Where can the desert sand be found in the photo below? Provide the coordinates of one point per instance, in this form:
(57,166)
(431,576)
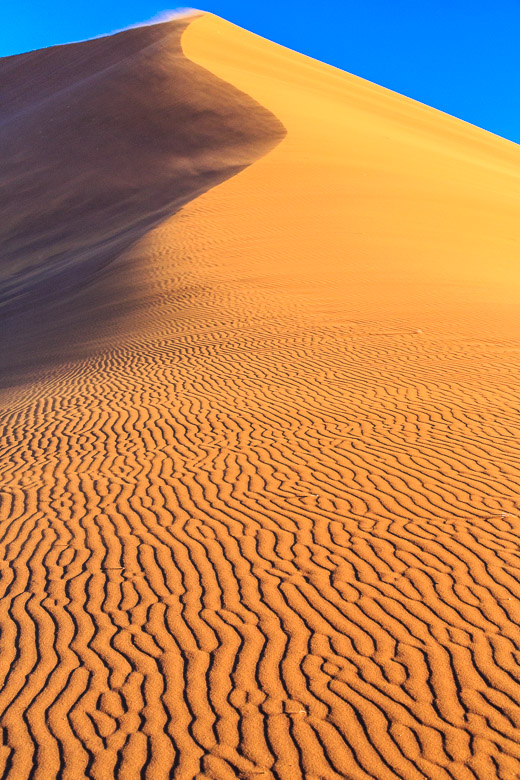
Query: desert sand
(259,416)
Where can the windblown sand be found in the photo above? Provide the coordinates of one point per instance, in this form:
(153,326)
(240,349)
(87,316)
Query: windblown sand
(260,474)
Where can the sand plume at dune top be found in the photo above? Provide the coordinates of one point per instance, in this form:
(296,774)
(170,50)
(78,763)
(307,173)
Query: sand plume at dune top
(100,141)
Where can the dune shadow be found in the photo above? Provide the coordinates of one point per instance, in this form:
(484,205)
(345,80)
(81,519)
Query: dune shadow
(101,141)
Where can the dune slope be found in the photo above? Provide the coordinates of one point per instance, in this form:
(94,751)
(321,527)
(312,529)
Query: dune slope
(270,526)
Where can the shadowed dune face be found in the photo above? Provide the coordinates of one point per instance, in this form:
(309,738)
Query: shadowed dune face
(99,142)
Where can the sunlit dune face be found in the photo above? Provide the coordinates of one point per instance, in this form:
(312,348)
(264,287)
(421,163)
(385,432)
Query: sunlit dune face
(405,209)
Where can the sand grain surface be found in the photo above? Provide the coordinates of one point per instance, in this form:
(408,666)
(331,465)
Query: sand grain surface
(268,525)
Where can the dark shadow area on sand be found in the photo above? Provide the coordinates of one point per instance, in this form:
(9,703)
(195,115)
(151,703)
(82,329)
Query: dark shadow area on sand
(101,141)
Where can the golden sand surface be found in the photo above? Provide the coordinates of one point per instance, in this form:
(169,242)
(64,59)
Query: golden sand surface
(266,523)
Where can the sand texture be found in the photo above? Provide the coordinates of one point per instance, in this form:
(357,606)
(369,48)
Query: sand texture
(260,458)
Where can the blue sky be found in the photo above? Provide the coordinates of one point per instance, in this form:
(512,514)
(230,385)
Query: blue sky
(459,56)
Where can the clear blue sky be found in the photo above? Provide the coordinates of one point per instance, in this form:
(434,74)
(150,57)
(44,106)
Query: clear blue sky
(461,56)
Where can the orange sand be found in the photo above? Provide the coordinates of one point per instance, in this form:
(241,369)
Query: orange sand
(268,525)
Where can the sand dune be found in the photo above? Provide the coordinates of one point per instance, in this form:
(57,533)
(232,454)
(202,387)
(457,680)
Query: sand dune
(265,523)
